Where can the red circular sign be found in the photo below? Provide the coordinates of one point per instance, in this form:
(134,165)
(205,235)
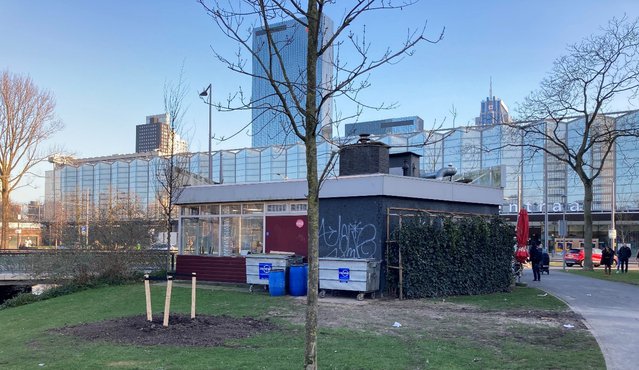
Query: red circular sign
(299,223)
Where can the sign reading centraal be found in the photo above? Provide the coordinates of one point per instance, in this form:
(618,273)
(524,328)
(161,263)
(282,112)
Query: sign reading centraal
(540,207)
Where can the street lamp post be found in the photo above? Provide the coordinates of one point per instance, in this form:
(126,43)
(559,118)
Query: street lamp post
(19,230)
(613,229)
(209,93)
(564,230)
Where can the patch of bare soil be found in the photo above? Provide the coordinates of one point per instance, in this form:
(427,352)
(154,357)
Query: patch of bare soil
(203,331)
(441,320)
(417,318)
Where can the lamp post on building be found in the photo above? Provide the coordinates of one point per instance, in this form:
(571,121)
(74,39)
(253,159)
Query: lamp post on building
(207,92)
(563,230)
(19,230)
(612,233)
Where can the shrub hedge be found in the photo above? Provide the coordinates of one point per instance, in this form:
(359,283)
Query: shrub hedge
(445,256)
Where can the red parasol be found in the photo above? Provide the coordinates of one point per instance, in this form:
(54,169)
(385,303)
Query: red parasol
(522,228)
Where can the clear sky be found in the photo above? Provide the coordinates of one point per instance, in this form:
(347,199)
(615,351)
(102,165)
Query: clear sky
(107,62)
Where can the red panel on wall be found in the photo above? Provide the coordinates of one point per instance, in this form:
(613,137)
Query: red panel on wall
(287,234)
(221,269)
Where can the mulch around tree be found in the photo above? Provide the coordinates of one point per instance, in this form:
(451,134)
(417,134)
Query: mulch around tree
(202,331)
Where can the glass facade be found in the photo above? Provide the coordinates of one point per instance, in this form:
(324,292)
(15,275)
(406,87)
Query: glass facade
(101,183)
(270,126)
(229,229)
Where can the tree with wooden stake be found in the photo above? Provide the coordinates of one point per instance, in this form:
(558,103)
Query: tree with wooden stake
(297,95)
(167,301)
(147,293)
(193,290)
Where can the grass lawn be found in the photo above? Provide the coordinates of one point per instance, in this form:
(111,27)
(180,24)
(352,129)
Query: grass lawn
(631,277)
(463,333)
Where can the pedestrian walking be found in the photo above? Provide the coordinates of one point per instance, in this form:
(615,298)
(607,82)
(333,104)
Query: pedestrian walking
(623,257)
(607,256)
(535,259)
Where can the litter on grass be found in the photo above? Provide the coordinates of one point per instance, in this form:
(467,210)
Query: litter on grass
(396,324)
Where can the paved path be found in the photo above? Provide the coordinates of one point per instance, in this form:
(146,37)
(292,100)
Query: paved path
(611,311)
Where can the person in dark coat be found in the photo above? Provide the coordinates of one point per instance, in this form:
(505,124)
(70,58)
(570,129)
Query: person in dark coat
(607,256)
(545,263)
(535,259)
(624,255)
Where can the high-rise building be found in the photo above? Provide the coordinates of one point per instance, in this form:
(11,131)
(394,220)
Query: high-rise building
(155,135)
(402,125)
(270,125)
(493,110)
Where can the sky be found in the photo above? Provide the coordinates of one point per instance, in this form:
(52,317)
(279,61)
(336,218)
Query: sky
(107,62)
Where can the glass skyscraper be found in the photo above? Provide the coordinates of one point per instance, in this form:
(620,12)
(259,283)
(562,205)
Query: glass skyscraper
(270,125)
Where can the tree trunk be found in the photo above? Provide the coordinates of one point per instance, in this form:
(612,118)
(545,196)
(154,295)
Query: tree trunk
(310,141)
(587,225)
(5,215)
(310,354)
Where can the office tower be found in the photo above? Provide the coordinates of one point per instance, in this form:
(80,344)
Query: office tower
(155,135)
(493,110)
(270,126)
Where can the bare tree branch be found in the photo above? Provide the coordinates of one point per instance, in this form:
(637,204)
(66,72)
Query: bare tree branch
(26,120)
(565,118)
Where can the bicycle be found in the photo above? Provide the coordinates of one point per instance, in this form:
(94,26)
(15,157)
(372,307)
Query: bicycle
(518,270)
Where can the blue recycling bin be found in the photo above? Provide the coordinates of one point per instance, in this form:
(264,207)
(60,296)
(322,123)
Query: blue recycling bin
(298,280)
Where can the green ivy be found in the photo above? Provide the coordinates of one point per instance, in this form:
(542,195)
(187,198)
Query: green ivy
(444,256)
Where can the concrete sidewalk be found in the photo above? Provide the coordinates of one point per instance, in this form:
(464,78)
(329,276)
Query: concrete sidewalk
(609,308)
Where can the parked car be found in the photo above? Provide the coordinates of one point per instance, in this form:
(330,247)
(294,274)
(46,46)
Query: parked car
(576,256)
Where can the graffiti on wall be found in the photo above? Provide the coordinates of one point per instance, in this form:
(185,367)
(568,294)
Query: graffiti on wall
(347,239)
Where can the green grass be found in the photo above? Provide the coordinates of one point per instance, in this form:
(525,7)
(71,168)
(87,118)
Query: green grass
(519,299)
(631,277)
(25,341)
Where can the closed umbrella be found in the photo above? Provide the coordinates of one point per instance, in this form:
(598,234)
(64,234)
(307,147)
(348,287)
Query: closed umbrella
(522,228)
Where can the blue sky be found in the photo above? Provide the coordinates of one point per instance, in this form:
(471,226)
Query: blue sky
(107,62)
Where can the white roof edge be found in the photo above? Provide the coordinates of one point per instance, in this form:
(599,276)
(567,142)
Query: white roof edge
(345,186)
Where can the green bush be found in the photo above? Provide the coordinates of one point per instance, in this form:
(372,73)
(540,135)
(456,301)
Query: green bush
(444,256)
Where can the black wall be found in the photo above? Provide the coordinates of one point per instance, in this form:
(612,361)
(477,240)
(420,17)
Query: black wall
(356,227)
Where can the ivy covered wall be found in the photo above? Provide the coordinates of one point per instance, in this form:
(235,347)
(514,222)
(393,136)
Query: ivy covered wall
(446,255)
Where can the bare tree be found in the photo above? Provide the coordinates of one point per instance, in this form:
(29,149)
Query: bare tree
(299,97)
(26,120)
(566,117)
(172,170)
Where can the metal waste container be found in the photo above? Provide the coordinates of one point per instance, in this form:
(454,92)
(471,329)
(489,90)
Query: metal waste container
(259,265)
(352,274)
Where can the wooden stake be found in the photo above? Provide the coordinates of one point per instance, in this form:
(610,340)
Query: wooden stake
(167,301)
(147,292)
(193,286)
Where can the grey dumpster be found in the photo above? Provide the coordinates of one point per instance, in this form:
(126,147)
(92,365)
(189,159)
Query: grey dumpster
(259,265)
(352,274)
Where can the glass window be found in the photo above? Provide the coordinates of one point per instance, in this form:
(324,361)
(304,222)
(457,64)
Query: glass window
(209,243)
(252,208)
(230,236)
(252,232)
(190,234)
(275,208)
(190,210)
(213,209)
(231,209)
(298,207)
